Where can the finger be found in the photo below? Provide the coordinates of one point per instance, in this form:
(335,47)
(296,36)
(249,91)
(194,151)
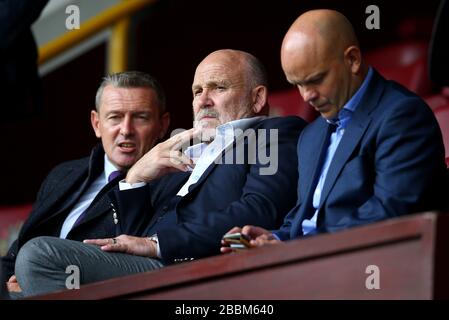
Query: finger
(98,242)
(183,141)
(177,157)
(254,232)
(169,165)
(225,250)
(249,231)
(178,140)
(117,247)
(259,242)
(263,240)
(234,230)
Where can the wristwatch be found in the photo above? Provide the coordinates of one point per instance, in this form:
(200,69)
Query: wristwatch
(155,239)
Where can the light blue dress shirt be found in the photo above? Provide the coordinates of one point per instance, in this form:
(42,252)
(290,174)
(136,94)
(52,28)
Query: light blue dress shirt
(343,118)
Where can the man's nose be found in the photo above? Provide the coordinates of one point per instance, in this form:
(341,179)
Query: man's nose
(204,100)
(308,94)
(127,126)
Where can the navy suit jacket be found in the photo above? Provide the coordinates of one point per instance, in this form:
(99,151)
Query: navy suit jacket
(225,196)
(390,162)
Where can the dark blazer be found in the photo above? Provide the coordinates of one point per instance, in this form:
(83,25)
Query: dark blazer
(390,162)
(225,196)
(58,194)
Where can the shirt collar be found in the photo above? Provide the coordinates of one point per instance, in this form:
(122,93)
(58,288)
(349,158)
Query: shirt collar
(108,167)
(232,127)
(224,131)
(345,114)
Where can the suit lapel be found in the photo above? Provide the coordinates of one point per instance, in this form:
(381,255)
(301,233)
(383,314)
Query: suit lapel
(309,158)
(100,204)
(351,137)
(355,130)
(70,187)
(312,149)
(230,148)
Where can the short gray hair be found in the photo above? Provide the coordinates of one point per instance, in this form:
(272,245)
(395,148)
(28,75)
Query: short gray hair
(257,72)
(132,79)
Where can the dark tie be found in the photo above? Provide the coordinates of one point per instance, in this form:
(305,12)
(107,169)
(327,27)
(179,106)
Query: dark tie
(112,176)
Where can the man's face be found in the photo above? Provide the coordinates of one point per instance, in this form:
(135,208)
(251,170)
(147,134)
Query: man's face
(128,123)
(323,80)
(221,92)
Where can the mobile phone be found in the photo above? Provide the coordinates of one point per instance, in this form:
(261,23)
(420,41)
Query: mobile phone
(237,240)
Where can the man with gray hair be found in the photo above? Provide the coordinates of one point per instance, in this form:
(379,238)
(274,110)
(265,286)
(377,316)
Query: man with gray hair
(176,205)
(130,117)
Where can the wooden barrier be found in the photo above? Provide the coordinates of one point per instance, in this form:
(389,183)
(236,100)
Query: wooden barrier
(410,254)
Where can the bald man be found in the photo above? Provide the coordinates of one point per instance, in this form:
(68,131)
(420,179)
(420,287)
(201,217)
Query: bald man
(375,153)
(247,174)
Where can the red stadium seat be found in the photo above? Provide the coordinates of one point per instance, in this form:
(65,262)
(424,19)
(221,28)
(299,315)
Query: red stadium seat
(437,100)
(289,102)
(442,115)
(406,63)
(11,219)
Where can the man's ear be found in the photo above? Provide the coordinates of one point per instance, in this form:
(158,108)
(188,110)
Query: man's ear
(259,96)
(353,57)
(95,121)
(165,123)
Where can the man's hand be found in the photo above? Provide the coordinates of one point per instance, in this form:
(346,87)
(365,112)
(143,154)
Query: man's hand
(259,237)
(128,244)
(13,285)
(162,159)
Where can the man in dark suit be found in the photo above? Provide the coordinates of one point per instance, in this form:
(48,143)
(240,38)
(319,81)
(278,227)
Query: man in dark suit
(247,174)
(20,86)
(375,153)
(72,203)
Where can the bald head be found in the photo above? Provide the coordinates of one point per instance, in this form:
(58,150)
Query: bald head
(321,56)
(228,85)
(328,31)
(240,60)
